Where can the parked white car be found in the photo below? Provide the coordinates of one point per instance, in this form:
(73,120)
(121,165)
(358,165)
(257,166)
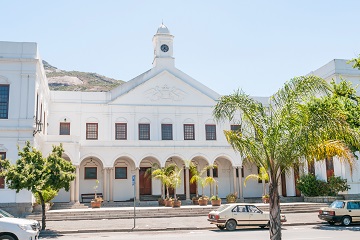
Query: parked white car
(341,211)
(230,216)
(12,228)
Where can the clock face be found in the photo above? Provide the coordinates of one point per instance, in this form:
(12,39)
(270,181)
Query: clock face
(164,48)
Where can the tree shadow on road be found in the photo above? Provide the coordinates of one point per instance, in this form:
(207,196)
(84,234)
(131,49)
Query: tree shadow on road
(325,227)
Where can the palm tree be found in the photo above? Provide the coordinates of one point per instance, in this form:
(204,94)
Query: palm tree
(201,177)
(263,176)
(163,174)
(289,129)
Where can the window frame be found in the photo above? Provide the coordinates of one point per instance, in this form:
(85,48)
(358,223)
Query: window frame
(68,127)
(4,102)
(163,127)
(187,133)
(210,135)
(86,176)
(88,132)
(126,175)
(140,131)
(119,132)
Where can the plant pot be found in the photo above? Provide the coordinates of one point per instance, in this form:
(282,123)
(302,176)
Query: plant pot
(265,200)
(176,203)
(195,201)
(161,202)
(95,204)
(216,202)
(203,202)
(168,203)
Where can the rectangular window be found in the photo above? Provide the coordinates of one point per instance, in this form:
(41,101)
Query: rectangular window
(144,131)
(121,173)
(92,131)
(215,172)
(64,128)
(2,179)
(120,131)
(210,132)
(189,132)
(90,172)
(235,127)
(4,101)
(166,132)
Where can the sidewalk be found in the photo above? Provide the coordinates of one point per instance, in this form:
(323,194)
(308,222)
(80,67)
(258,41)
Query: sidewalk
(155,224)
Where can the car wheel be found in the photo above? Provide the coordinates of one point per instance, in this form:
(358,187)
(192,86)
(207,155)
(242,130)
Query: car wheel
(331,223)
(231,225)
(7,237)
(221,227)
(346,221)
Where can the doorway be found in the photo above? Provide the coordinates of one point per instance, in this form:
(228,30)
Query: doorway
(145,181)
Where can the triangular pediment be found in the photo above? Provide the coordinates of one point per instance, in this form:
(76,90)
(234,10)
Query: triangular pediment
(165,88)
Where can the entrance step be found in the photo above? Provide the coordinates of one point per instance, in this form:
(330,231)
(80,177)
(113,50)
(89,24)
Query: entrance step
(58,206)
(151,212)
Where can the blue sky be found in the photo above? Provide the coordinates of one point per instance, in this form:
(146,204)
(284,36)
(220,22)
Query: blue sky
(254,45)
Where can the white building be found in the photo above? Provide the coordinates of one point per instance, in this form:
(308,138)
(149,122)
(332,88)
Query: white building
(161,116)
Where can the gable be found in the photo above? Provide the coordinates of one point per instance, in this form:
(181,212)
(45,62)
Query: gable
(164,89)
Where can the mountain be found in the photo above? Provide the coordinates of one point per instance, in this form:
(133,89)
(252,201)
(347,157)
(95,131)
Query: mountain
(61,80)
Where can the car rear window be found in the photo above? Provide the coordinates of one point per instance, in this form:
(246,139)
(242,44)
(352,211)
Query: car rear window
(337,204)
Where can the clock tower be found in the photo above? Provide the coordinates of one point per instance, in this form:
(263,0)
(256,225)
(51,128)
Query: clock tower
(163,47)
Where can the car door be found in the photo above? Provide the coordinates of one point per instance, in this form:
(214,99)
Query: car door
(354,210)
(256,216)
(241,214)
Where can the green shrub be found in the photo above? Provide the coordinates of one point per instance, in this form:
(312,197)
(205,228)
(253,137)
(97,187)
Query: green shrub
(310,186)
(337,184)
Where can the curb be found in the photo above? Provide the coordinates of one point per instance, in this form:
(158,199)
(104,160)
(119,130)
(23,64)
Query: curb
(54,233)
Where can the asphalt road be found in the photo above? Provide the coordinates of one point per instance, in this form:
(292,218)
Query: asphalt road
(308,232)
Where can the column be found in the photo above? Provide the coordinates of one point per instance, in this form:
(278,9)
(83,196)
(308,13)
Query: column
(105,175)
(187,182)
(211,185)
(137,182)
(111,184)
(72,191)
(241,196)
(234,179)
(77,185)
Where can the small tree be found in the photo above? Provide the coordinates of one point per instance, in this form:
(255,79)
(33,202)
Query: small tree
(263,176)
(201,177)
(38,174)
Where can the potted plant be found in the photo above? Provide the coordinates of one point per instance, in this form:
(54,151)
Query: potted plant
(203,200)
(96,202)
(198,177)
(231,197)
(168,202)
(215,200)
(195,200)
(174,181)
(163,174)
(265,198)
(161,201)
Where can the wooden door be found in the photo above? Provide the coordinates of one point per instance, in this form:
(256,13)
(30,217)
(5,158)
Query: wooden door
(145,181)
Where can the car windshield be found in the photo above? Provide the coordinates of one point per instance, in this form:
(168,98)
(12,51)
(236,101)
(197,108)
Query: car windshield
(5,214)
(337,204)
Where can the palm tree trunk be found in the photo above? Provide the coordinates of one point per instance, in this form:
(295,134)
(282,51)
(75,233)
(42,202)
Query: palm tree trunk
(275,223)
